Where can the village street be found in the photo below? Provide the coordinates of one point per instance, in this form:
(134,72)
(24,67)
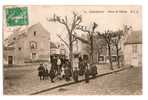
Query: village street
(126,82)
(24,81)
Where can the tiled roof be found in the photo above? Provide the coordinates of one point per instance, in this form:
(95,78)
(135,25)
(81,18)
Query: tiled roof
(134,38)
(19,35)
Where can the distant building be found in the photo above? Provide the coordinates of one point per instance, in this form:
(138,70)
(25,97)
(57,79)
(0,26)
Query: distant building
(57,49)
(129,54)
(30,45)
(101,52)
(53,48)
(133,48)
(80,48)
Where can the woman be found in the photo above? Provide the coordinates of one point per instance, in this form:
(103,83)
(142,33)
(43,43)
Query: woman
(75,74)
(67,72)
(87,72)
(41,71)
(52,73)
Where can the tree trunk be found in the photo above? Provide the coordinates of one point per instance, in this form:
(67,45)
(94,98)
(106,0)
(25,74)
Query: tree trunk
(70,50)
(91,54)
(118,62)
(110,58)
(98,57)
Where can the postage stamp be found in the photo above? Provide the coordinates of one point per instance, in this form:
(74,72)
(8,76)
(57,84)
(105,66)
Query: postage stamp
(16,16)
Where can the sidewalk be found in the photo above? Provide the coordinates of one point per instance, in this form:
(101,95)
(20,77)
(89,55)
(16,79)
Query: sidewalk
(28,82)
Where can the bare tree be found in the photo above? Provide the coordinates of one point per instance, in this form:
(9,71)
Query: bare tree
(76,20)
(107,36)
(100,45)
(65,42)
(90,38)
(116,42)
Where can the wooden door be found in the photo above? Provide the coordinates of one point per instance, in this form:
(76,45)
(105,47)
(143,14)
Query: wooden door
(10,59)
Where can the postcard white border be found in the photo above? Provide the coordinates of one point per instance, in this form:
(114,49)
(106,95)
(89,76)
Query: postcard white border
(82,2)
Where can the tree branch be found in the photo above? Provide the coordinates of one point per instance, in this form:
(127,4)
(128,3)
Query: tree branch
(76,21)
(60,20)
(63,41)
(81,39)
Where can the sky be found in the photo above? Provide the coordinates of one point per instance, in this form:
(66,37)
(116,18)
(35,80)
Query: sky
(106,17)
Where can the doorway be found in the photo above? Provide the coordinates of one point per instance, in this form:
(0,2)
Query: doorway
(10,59)
(34,56)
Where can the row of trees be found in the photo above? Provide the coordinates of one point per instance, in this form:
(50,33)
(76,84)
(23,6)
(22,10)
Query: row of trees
(112,39)
(109,38)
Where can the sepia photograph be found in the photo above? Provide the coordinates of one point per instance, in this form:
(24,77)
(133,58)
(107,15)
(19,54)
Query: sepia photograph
(72,50)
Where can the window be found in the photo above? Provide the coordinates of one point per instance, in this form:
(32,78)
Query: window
(34,33)
(10,59)
(19,48)
(33,45)
(114,58)
(14,38)
(33,55)
(101,58)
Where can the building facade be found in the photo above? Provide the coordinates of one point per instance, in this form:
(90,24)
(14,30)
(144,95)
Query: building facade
(57,48)
(133,49)
(30,45)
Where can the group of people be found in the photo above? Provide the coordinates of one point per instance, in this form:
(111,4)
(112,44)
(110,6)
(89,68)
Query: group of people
(61,69)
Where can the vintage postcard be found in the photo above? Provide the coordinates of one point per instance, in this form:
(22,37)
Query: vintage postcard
(72,50)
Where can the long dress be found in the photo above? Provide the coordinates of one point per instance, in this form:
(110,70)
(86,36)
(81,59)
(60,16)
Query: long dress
(75,75)
(75,63)
(52,73)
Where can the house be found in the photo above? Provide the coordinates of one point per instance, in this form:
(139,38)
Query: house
(31,44)
(80,47)
(133,49)
(57,48)
(101,54)
(53,48)
(100,50)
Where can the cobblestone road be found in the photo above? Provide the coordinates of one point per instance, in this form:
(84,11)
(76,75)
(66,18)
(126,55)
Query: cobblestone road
(24,81)
(127,82)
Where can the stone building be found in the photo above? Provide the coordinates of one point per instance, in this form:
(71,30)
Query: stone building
(133,49)
(29,45)
(57,49)
(100,49)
